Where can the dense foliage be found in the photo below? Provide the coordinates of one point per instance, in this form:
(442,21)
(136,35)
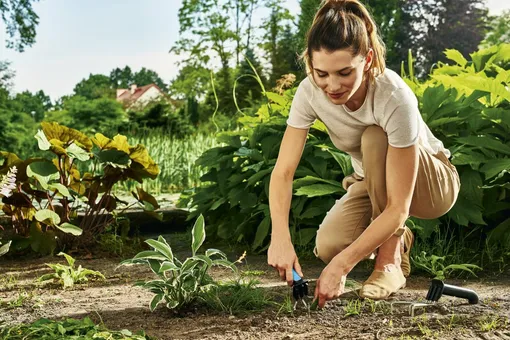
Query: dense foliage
(465,105)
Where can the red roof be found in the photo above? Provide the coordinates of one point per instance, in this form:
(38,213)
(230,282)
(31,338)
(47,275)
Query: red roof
(139,91)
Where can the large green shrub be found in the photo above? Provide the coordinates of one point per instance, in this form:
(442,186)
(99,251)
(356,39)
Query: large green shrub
(465,105)
(45,195)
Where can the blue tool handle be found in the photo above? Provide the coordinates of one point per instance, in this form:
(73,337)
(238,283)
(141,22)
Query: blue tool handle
(295,275)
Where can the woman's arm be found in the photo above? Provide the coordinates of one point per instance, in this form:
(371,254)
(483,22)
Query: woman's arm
(281,254)
(401,173)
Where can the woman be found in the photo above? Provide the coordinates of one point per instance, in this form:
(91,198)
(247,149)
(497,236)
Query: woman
(401,169)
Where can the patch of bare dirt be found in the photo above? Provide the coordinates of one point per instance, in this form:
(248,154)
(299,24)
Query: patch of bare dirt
(120,305)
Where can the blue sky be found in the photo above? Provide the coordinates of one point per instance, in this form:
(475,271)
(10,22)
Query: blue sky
(79,37)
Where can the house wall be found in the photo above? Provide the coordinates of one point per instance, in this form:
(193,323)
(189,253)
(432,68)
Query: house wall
(149,95)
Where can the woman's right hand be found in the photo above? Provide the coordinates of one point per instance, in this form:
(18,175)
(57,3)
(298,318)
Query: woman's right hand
(283,258)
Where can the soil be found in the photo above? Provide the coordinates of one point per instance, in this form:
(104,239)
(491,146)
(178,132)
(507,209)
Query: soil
(120,305)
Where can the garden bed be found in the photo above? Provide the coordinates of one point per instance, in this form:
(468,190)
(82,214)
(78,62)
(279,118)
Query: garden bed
(120,305)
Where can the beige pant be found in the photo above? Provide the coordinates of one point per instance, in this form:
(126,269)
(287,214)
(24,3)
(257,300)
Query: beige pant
(436,190)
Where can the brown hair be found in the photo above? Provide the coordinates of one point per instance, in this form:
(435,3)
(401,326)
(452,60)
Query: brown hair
(345,24)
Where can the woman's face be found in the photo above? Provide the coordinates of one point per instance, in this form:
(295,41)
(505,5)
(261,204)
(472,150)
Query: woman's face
(340,75)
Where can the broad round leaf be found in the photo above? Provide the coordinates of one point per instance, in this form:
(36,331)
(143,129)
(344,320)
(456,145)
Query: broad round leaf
(43,171)
(48,217)
(70,229)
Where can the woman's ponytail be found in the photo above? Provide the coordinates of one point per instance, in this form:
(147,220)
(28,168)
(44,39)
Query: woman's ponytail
(346,24)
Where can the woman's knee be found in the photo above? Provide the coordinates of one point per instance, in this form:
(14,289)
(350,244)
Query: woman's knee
(373,139)
(328,246)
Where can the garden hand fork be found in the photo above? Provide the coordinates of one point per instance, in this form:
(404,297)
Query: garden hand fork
(299,289)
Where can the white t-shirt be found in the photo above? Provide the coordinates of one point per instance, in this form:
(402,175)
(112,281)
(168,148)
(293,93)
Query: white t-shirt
(389,103)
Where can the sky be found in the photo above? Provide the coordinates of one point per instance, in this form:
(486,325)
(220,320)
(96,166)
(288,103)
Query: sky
(79,37)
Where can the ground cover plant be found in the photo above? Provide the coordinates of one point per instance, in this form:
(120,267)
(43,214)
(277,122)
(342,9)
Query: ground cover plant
(85,329)
(48,194)
(68,275)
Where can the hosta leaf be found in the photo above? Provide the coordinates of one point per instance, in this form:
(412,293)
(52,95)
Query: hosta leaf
(224,263)
(155,265)
(47,216)
(501,234)
(161,247)
(69,259)
(319,190)
(172,304)
(262,232)
(198,234)
(212,252)
(165,266)
(149,254)
(155,301)
(204,259)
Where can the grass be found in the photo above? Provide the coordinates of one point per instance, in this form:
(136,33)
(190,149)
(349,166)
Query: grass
(237,297)
(175,158)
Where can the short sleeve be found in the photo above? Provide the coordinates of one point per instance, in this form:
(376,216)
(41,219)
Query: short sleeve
(402,119)
(301,115)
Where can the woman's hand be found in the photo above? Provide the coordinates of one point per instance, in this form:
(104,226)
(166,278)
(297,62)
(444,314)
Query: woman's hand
(331,283)
(283,258)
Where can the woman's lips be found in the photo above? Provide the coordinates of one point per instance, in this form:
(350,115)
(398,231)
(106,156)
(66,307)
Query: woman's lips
(336,95)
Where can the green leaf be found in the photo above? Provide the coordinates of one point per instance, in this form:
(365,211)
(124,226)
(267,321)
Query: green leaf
(262,232)
(149,254)
(305,236)
(161,247)
(456,56)
(42,141)
(155,301)
(115,158)
(165,266)
(343,160)
(494,167)
(485,142)
(5,248)
(69,259)
(309,180)
(198,234)
(70,229)
(315,190)
(43,171)
(47,216)
(74,151)
(60,188)
(212,252)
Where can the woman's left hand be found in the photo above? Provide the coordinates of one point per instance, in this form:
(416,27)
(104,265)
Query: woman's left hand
(331,283)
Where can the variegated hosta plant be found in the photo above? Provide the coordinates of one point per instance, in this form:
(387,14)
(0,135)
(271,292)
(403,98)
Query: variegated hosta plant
(180,282)
(46,194)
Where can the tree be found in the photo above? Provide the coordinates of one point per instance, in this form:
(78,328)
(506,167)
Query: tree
(94,87)
(248,89)
(6,74)
(34,105)
(20,23)
(146,77)
(499,30)
(121,78)
(308,10)
(453,24)
(98,115)
(278,42)
(191,82)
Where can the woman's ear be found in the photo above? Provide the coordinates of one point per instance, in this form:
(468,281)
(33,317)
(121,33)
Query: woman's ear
(369,59)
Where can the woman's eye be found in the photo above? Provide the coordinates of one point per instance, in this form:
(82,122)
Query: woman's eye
(322,75)
(346,74)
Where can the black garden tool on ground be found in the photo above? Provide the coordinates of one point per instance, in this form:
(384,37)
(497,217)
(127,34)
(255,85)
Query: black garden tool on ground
(299,289)
(439,288)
